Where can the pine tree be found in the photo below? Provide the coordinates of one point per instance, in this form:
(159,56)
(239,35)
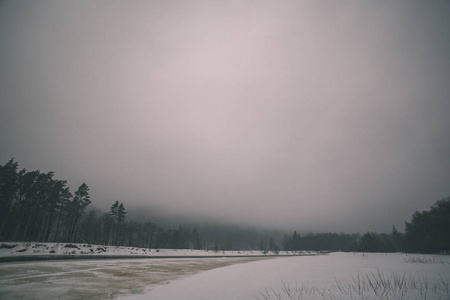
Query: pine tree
(120,220)
(113,210)
(8,190)
(121,214)
(77,208)
(117,213)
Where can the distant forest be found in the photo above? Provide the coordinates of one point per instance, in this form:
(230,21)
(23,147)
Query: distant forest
(428,232)
(35,206)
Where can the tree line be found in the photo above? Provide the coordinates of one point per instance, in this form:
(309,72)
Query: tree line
(427,232)
(34,206)
(320,242)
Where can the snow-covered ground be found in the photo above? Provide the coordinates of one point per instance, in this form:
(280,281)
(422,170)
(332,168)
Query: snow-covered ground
(333,276)
(23,249)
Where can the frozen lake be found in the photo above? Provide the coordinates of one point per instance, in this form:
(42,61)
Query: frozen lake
(332,276)
(98,279)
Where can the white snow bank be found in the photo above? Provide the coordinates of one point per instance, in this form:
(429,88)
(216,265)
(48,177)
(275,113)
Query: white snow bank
(16,249)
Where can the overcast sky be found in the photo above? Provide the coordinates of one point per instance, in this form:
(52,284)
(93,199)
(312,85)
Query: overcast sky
(305,115)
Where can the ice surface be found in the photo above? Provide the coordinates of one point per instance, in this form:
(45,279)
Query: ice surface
(98,279)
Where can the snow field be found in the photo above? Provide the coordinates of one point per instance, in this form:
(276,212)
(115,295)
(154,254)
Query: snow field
(330,276)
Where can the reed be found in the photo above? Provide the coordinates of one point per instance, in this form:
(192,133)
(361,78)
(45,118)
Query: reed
(369,286)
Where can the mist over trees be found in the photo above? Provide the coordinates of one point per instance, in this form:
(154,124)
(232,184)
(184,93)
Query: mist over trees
(34,206)
(427,232)
(320,242)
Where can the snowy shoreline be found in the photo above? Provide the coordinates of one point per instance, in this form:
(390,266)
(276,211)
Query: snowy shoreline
(30,251)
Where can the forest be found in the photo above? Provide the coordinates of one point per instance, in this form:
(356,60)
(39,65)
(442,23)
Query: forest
(427,232)
(35,206)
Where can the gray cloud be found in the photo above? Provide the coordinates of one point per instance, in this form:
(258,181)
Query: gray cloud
(316,116)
